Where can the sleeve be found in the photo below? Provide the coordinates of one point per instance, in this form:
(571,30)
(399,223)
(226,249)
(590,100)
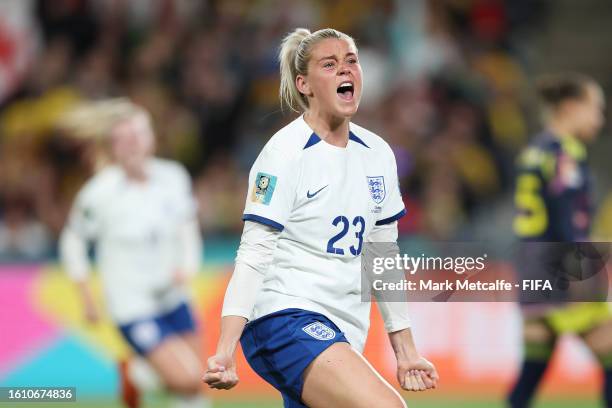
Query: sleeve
(190,247)
(254,256)
(84,219)
(83,225)
(271,191)
(188,204)
(189,235)
(392,206)
(395,314)
(73,255)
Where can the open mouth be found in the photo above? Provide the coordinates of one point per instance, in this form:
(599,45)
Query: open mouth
(345,90)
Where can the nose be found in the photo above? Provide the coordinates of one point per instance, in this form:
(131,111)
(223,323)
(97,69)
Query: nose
(344,69)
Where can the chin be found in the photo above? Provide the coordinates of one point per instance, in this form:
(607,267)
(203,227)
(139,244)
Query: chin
(347,111)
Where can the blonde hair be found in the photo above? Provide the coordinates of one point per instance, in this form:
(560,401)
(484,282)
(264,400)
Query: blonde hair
(95,121)
(294,55)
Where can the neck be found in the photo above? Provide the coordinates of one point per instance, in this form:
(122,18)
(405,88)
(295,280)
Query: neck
(331,129)
(137,174)
(560,128)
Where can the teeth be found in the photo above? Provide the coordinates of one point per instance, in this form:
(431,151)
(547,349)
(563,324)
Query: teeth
(345,84)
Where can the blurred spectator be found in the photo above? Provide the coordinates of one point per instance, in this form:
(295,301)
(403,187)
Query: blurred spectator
(443,84)
(21,235)
(19,41)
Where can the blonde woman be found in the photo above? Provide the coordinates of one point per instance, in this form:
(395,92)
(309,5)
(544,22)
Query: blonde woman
(320,188)
(139,212)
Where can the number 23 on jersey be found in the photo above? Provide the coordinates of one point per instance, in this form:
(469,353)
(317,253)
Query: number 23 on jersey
(342,222)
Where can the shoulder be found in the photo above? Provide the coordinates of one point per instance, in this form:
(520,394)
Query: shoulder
(540,151)
(102,183)
(370,139)
(545,141)
(171,174)
(169,168)
(288,143)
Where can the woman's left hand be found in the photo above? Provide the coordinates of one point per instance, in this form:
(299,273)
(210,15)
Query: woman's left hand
(417,374)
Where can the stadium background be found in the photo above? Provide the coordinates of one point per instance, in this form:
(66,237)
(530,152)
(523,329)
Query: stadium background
(448,83)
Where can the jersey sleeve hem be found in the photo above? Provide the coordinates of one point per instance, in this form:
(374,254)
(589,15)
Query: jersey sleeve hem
(233,311)
(394,326)
(392,218)
(264,221)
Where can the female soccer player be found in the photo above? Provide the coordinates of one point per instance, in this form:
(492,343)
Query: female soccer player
(320,188)
(140,213)
(554,205)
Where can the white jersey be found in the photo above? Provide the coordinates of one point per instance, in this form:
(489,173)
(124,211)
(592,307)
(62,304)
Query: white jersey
(325,200)
(135,227)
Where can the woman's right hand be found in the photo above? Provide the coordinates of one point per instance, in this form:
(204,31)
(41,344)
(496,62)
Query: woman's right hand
(221,372)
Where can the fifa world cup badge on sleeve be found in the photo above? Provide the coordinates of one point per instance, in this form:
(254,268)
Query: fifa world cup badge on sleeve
(264,188)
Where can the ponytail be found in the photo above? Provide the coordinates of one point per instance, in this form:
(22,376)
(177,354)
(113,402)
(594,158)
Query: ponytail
(289,95)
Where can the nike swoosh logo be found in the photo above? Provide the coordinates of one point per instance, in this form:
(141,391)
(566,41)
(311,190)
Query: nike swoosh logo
(309,195)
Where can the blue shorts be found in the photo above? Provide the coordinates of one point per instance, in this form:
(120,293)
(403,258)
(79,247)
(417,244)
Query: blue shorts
(280,346)
(146,334)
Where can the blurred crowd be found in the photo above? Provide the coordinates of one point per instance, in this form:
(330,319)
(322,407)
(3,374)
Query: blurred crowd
(445,85)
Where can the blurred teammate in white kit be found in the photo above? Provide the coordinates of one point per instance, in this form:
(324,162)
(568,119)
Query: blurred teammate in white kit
(141,216)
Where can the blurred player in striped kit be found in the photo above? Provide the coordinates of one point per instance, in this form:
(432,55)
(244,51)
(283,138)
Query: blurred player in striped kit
(139,212)
(553,202)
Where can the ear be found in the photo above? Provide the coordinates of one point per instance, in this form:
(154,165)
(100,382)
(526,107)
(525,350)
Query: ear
(302,84)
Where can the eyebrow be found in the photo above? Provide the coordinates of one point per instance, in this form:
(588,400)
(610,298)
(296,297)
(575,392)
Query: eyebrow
(348,54)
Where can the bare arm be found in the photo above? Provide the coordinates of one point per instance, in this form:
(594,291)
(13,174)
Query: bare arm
(221,370)
(92,314)
(414,373)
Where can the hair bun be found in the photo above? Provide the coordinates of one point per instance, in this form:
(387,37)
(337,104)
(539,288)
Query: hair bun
(553,89)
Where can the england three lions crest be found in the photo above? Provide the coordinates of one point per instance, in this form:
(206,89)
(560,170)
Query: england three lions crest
(376,187)
(319,331)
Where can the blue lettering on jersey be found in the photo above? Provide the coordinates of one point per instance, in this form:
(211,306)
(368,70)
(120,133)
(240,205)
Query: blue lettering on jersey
(264,188)
(357,222)
(376,187)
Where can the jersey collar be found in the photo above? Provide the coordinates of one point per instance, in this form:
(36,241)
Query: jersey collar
(314,139)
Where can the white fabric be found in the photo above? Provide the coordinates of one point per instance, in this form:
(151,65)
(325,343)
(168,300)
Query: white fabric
(320,197)
(395,315)
(255,253)
(190,247)
(143,232)
(143,375)
(73,251)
